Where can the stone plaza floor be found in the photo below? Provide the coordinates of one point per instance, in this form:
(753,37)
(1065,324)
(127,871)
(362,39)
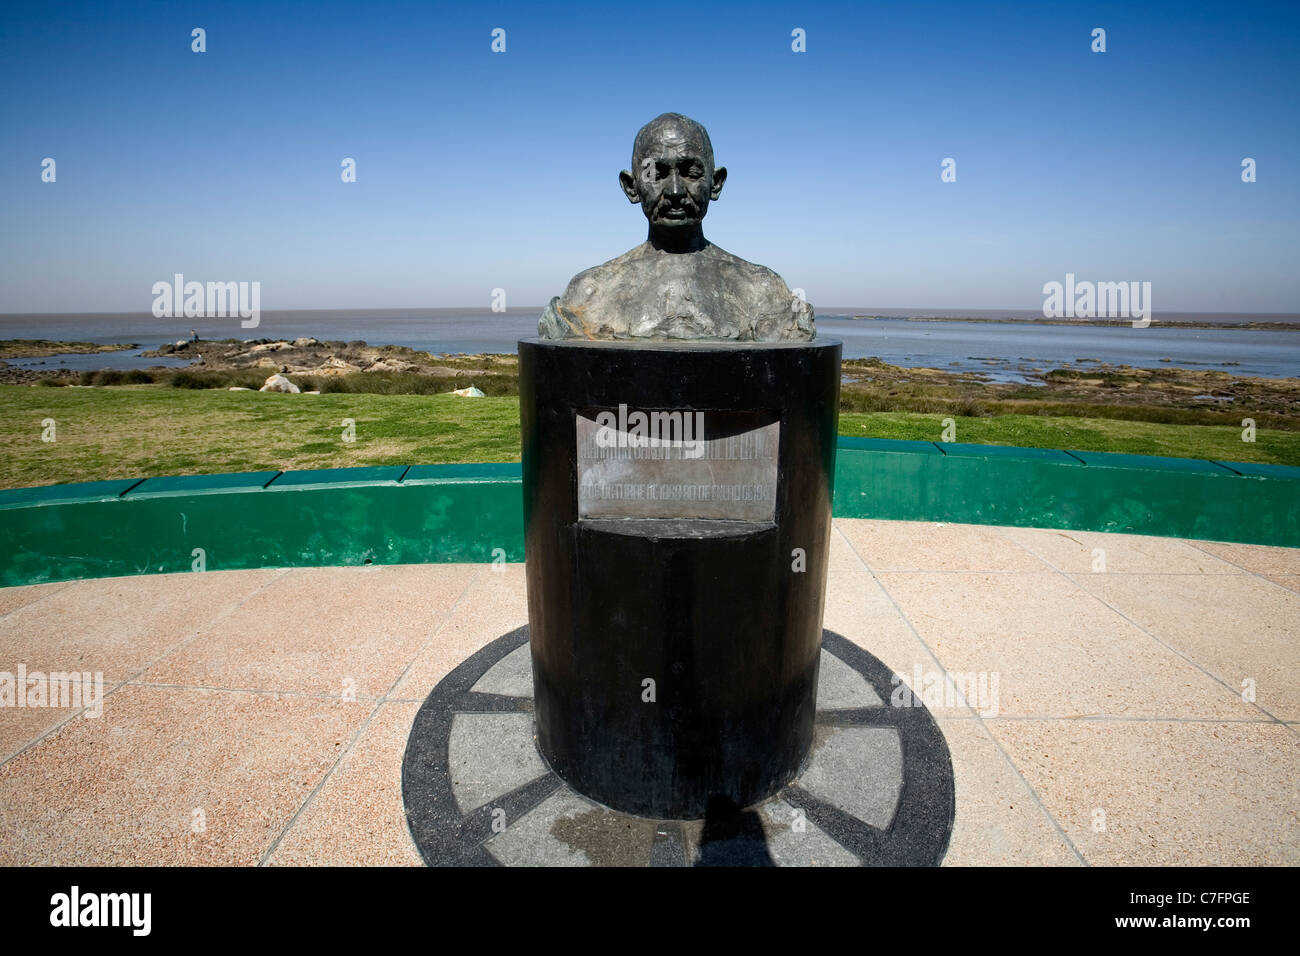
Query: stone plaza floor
(1138,702)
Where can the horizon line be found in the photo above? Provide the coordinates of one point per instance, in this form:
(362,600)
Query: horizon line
(924,311)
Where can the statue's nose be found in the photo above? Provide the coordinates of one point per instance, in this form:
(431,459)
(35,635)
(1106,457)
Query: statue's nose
(674,185)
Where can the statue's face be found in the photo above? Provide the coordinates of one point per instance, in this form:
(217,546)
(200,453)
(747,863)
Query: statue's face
(674,180)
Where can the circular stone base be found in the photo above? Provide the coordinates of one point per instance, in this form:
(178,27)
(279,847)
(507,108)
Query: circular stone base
(877,789)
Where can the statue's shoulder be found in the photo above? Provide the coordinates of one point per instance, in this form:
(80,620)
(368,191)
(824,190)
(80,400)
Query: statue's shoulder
(778,313)
(588,293)
(760,278)
(591,281)
(731,262)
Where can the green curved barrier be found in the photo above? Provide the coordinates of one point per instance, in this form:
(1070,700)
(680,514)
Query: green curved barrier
(346,516)
(1075,490)
(439,513)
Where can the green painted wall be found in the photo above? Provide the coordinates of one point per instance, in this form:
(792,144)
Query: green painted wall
(348,516)
(439,513)
(1082,490)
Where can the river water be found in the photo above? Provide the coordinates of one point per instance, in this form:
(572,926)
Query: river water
(1003,350)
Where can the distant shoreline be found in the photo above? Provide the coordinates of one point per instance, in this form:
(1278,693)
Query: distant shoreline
(195,419)
(1213,320)
(1168,324)
(1006,346)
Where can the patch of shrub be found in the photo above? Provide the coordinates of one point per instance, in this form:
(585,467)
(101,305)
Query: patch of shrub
(187,379)
(224,378)
(405,383)
(113,376)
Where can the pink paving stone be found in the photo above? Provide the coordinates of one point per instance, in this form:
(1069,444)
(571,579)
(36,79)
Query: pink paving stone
(1258,558)
(1057,650)
(124,789)
(495,604)
(326,631)
(357,818)
(14,598)
(291,778)
(119,625)
(1170,793)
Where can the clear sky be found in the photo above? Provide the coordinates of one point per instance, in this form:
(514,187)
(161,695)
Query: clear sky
(479,170)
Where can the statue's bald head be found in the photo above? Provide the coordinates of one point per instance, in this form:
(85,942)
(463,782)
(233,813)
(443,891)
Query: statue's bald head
(674,179)
(671,129)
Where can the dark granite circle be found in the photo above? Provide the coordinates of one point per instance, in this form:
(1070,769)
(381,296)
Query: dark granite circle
(916,834)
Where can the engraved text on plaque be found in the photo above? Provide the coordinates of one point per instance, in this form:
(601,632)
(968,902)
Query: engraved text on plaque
(644,463)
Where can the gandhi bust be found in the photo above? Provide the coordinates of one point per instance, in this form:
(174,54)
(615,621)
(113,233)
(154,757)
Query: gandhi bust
(676,284)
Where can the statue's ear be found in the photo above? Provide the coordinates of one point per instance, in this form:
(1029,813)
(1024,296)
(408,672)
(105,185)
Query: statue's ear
(719,177)
(629,186)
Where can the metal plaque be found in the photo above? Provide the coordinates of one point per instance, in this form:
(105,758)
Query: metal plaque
(658,463)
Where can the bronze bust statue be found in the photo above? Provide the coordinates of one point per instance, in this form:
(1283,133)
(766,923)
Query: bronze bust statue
(676,284)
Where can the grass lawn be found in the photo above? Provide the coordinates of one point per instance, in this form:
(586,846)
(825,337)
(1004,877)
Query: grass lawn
(1221,442)
(139,431)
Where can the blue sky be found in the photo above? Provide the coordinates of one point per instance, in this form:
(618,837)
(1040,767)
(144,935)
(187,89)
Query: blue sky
(479,170)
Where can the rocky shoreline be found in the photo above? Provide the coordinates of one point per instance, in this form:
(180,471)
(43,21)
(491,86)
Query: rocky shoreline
(298,357)
(306,356)
(1081,387)
(1190,396)
(42,348)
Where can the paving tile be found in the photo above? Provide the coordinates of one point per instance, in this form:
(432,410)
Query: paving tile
(1291,581)
(1259,558)
(928,546)
(512,676)
(13,598)
(834,772)
(1093,552)
(858,608)
(116,626)
(20,727)
(801,844)
(843,557)
(1219,789)
(331,631)
(489,755)
(1237,627)
(1172,793)
(566,829)
(357,818)
(789,839)
(1053,649)
(495,604)
(124,789)
(840,687)
(999,821)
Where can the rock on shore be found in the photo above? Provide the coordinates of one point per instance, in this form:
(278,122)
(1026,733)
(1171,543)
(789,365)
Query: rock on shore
(278,383)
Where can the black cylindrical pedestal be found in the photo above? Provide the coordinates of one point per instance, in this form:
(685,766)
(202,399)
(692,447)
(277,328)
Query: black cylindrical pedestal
(675,605)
